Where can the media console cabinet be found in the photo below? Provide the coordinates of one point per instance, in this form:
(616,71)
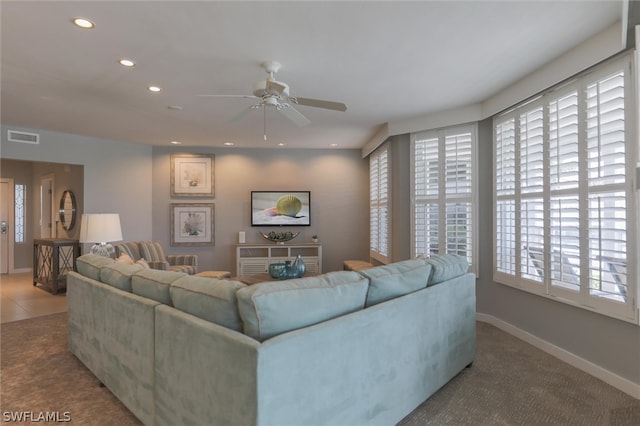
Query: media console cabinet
(255,258)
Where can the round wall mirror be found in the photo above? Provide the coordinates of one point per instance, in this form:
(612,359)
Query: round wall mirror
(68,210)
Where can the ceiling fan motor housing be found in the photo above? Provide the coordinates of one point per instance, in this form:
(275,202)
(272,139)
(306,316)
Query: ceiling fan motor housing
(276,88)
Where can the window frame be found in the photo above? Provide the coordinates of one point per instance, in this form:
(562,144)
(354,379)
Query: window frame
(374,204)
(583,298)
(443,197)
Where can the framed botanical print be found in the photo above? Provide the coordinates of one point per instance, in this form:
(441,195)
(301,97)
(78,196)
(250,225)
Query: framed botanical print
(192,175)
(192,224)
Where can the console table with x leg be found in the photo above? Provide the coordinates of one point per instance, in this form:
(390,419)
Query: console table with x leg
(52,259)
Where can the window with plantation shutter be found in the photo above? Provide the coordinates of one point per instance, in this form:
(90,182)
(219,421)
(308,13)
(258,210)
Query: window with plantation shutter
(443,190)
(379,203)
(564,201)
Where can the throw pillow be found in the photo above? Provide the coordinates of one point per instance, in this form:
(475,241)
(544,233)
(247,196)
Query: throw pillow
(143,263)
(124,258)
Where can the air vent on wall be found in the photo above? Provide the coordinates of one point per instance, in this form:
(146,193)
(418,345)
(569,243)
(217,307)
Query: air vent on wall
(23,137)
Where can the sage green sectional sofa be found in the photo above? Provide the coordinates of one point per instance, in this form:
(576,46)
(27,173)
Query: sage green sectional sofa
(341,348)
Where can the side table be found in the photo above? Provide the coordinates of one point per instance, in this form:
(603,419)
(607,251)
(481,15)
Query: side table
(52,259)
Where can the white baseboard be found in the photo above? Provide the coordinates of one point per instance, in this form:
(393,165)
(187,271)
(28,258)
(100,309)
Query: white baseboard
(588,367)
(21,270)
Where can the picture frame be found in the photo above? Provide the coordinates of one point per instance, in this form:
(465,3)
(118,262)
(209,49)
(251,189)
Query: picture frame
(192,224)
(192,175)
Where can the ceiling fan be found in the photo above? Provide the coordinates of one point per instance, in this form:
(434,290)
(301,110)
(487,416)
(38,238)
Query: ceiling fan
(273,93)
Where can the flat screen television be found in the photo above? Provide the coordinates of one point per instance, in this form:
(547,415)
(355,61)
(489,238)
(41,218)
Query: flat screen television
(280,208)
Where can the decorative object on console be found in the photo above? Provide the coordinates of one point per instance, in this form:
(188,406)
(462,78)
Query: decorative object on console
(277,270)
(314,238)
(192,175)
(101,229)
(288,270)
(299,267)
(192,224)
(279,237)
(280,208)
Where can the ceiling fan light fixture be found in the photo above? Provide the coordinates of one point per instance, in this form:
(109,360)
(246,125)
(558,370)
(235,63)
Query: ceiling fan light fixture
(272,101)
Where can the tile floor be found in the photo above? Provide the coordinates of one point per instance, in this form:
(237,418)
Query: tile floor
(21,300)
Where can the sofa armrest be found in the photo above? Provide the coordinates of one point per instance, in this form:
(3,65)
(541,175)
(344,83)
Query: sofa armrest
(158,264)
(183,259)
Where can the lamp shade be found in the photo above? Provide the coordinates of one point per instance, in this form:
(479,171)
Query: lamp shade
(100,228)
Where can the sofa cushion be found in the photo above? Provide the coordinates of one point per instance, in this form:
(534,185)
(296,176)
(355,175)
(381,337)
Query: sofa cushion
(89,265)
(446,267)
(211,299)
(118,274)
(154,284)
(275,307)
(396,279)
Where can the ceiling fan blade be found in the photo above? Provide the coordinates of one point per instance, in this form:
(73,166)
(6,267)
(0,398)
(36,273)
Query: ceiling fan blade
(229,96)
(317,103)
(242,114)
(294,115)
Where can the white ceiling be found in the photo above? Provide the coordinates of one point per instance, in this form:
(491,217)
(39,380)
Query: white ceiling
(388,61)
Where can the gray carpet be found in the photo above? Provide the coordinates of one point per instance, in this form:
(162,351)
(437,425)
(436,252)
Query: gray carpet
(510,383)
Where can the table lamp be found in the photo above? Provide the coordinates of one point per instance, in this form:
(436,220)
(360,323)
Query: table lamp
(101,228)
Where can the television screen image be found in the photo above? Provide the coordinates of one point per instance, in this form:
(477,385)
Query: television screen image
(280,208)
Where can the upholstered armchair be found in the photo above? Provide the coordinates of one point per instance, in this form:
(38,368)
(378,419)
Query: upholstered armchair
(153,253)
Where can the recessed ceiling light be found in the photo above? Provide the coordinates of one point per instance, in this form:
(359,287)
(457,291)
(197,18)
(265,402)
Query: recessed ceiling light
(154,88)
(176,143)
(83,23)
(333,145)
(282,144)
(127,62)
(229,144)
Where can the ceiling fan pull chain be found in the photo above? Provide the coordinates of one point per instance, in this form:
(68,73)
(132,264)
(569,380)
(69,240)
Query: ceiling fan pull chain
(265,123)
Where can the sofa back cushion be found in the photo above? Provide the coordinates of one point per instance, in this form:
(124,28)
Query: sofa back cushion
(89,265)
(154,284)
(446,267)
(211,299)
(272,308)
(396,279)
(118,274)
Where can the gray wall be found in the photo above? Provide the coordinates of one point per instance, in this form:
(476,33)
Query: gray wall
(339,185)
(115,173)
(133,180)
(401,197)
(609,343)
